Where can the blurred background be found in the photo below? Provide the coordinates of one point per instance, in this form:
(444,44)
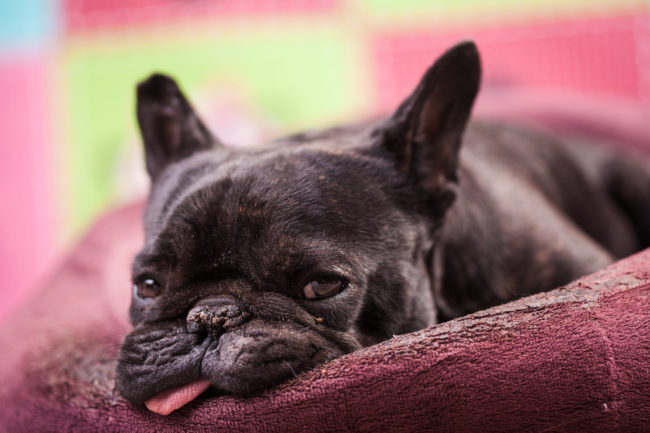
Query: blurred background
(69,147)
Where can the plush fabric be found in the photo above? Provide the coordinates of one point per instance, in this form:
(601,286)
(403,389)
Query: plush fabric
(575,359)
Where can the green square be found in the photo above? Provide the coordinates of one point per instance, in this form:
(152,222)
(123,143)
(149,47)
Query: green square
(298,77)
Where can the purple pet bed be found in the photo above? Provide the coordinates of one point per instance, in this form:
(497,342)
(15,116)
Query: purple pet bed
(575,359)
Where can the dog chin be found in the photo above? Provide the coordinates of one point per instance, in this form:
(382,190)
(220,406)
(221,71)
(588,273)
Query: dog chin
(245,360)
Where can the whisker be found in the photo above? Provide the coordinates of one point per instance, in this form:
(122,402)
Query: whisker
(290,368)
(111,346)
(304,328)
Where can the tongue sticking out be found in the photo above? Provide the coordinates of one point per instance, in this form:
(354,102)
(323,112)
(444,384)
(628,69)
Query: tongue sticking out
(171,399)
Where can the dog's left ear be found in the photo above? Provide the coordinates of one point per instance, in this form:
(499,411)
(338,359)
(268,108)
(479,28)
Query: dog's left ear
(170,128)
(424,134)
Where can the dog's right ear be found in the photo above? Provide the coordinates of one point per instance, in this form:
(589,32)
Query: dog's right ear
(424,135)
(170,128)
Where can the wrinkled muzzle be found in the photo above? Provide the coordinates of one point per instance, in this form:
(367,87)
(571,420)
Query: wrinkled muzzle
(237,350)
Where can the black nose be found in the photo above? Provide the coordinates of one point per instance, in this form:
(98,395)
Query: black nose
(216,315)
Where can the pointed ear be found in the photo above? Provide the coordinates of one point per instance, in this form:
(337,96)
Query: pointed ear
(170,129)
(424,135)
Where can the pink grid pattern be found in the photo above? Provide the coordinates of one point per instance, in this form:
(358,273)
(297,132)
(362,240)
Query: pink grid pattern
(598,56)
(83,15)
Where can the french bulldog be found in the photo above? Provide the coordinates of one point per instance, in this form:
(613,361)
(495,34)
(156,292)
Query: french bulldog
(263,262)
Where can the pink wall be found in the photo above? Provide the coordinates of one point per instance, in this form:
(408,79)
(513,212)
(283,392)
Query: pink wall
(26,190)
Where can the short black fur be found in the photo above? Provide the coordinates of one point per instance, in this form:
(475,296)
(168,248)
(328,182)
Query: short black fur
(417,228)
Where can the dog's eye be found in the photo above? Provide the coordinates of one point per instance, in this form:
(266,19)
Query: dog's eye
(146,288)
(322,287)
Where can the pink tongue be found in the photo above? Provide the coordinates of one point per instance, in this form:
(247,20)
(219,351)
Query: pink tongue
(169,400)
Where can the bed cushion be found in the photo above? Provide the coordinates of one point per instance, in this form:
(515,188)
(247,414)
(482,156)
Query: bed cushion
(574,359)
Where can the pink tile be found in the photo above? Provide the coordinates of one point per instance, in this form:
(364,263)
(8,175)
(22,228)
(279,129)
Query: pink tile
(595,56)
(27,217)
(94,14)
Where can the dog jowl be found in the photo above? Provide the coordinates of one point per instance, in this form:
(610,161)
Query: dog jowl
(260,263)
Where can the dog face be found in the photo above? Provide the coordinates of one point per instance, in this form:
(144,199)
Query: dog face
(264,262)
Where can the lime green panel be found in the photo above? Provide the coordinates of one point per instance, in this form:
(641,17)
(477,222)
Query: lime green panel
(497,9)
(296,78)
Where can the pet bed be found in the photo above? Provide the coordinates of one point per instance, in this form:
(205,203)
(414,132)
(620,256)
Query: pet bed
(574,359)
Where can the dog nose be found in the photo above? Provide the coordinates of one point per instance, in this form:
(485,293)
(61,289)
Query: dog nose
(216,315)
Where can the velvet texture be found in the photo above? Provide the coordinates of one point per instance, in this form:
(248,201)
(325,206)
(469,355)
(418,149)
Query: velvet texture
(574,359)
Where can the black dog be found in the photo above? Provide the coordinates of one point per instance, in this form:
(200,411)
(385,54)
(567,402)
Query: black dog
(264,262)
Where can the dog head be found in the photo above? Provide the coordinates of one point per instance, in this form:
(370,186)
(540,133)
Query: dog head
(264,262)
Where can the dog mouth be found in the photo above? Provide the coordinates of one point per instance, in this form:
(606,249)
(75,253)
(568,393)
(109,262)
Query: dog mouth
(168,368)
(240,365)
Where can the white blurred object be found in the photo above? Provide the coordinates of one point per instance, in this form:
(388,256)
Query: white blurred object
(226,112)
